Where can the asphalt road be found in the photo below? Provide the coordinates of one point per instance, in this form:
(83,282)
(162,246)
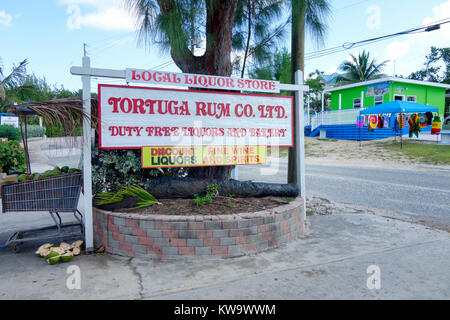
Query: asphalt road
(420,194)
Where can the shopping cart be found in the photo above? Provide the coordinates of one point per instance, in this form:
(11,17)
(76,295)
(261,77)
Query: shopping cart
(53,194)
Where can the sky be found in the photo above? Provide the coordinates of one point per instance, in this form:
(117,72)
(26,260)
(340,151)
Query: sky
(51,34)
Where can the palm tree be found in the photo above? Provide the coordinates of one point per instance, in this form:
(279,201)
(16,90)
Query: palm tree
(252,33)
(310,15)
(178,26)
(11,82)
(361,68)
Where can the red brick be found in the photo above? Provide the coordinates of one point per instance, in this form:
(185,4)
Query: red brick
(250,247)
(186,250)
(132,223)
(170,233)
(115,236)
(263,228)
(207,242)
(174,242)
(113,227)
(146,241)
(196,225)
(219,249)
(162,225)
(156,250)
(125,246)
(267,235)
(203,234)
(236,233)
(135,231)
(241,240)
(229,224)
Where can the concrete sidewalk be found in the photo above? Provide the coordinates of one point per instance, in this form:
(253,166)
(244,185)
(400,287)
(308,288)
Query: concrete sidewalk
(330,263)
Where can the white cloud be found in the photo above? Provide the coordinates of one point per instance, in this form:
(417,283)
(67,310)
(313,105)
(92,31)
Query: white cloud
(5,18)
(410,53)
(397,49)
(106,15)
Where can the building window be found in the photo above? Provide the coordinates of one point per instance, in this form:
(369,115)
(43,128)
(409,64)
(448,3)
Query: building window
(398,97)
(411,98)
(378,99)
(357,103)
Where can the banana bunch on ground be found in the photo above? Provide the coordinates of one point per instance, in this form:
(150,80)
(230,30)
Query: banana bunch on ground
(64,253)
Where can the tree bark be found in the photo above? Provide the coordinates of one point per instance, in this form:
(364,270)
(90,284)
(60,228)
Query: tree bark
(215,61)
(298,63)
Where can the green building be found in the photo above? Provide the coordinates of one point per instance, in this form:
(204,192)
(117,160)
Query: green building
(370,93)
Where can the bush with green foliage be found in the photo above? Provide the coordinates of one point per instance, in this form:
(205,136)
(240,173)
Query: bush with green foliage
(211,191)
(12,157)
(114,169)
(145,198)
(34,131)
(10,132)
(55,131)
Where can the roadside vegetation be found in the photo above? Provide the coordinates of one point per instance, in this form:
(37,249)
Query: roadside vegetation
(417,151)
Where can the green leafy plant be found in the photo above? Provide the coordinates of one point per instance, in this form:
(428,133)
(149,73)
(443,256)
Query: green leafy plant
(34,131)
(211,191)
(145,198)
(113,169)
(10,132)
(12,157)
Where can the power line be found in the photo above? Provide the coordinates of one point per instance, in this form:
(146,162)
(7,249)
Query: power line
(350,45)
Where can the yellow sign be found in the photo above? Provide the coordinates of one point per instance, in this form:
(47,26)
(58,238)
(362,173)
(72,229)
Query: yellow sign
(163,157)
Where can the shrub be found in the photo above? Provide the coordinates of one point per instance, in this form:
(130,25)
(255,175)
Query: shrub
(114,169)
(12,157)
(10,132)
(34,131)
(54,131)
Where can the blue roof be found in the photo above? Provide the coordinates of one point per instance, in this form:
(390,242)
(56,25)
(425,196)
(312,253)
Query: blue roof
(399,107)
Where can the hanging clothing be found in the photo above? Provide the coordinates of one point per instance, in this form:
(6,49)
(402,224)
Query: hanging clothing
(401,121)
(406,118)
(414,127)
(385,121)
(436,125)
(380,122)
(373,122)
(395,126)
(360,121)
(422,119)
(429,118)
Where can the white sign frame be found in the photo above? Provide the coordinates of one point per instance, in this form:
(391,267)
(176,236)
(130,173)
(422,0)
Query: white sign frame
(86,72)
(111,116)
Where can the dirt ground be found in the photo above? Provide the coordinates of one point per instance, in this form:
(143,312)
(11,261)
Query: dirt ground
(219,205)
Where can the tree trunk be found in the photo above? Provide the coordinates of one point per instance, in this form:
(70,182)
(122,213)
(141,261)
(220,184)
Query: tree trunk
(215,61)
(298,63)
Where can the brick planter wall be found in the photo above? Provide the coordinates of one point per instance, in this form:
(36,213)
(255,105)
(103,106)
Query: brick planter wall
(218,236)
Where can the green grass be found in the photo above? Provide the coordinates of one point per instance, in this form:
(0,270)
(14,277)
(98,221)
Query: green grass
(287,199)
(421,152)
(309,213)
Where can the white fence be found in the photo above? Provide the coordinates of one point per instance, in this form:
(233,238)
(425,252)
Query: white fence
(347,116)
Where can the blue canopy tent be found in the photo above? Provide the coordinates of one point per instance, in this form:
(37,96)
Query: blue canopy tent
(399,106)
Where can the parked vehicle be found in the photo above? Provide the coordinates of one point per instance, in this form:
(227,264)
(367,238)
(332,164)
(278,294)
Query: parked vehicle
(447,120)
